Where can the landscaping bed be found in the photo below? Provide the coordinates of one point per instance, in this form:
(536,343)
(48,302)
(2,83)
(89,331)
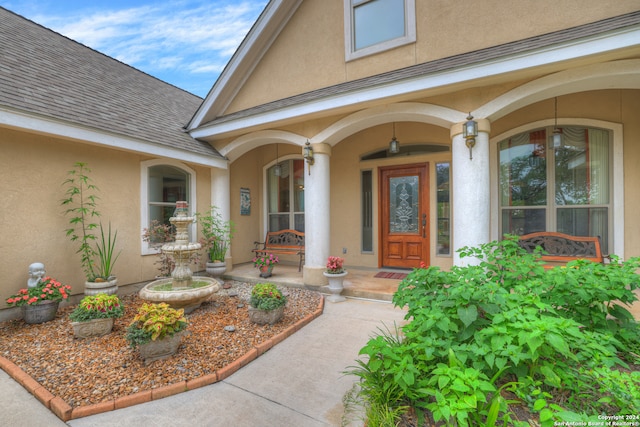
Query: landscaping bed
(94,370)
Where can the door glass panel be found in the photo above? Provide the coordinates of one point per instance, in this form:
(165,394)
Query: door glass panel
(404,201)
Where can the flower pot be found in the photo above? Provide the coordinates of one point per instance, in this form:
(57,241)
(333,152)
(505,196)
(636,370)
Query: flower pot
(335,286)
(92,328)
(265,270)
(160,349)
(94,288)
(216,269)
(45,311)
(263,317)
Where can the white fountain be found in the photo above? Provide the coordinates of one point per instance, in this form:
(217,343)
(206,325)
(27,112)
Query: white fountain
(181,290)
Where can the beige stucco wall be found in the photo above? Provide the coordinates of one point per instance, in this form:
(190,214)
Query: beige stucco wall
(309,53)
(33,224)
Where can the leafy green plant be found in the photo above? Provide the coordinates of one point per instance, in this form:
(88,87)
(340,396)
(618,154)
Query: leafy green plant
(267,296)
(216,234)
(101,306)
(475,332)
(154,322)
(81,202)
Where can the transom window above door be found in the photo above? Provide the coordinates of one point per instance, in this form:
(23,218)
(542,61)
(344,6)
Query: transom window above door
(565,188)
(373,26)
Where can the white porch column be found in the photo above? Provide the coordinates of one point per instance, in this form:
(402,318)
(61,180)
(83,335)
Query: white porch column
(221,197)
(470,190)
(317,224)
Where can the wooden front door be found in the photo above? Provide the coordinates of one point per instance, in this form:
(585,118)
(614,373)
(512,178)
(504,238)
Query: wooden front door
(404,208)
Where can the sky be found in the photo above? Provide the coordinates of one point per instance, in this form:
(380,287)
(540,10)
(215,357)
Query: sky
(184,42)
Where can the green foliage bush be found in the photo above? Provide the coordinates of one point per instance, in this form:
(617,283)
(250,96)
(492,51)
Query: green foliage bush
(267,296)
(507,323)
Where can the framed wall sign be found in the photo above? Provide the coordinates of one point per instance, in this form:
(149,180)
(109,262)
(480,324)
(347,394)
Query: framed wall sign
(245,201)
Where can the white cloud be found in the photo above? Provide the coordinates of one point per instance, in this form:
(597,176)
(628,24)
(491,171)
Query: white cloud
(186,37)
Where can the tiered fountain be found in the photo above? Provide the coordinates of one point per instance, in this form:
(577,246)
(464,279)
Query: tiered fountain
(181,290)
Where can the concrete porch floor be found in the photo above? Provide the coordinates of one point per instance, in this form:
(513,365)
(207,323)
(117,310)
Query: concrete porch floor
(359,283)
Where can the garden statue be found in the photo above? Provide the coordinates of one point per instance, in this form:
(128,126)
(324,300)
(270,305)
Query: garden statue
(36,274)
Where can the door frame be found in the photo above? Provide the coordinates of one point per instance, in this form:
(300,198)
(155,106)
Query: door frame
(426,209)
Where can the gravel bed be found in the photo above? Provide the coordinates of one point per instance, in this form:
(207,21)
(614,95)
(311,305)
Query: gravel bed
(93,370)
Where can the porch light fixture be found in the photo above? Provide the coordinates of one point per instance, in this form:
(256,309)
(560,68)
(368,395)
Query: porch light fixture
(308,155)
(469,132)
(394,144)
(557,133)
(278,170)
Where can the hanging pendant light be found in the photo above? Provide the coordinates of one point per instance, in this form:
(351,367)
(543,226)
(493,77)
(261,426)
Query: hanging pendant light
(394,144)
(278,170)
(557,133)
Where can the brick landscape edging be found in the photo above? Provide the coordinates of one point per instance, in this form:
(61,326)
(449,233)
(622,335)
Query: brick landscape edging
(65,412)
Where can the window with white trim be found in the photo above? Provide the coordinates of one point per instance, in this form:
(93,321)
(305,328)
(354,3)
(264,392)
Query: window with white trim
(286,196)
(565,188)
(373,26)
(163,183)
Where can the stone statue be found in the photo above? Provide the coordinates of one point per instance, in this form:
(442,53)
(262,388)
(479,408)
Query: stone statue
(36,274)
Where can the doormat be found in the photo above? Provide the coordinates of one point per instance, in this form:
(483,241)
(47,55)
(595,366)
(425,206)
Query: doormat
(390,275)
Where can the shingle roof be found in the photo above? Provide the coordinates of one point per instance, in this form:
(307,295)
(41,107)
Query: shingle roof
(438,65)
(46,73)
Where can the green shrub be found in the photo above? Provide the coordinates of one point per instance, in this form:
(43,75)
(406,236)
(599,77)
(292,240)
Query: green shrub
(507,322)
(266,296)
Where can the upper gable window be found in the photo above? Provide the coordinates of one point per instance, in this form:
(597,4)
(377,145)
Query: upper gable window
(372,26)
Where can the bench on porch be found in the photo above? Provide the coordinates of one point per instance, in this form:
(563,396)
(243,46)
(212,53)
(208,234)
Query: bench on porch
(283,242)
(561,248)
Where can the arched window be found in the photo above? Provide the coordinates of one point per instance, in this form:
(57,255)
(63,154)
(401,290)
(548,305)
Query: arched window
(286,196)
(566,187)
(163,184)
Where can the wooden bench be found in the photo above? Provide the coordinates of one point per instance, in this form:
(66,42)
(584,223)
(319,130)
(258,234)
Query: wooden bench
(561,248)
(283,242)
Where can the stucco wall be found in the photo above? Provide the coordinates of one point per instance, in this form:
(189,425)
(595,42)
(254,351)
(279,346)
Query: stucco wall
(309,53)
(33,224)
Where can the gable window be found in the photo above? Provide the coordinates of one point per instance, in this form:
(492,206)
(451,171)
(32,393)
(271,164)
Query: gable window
(286,196)
(163,183)
(373,26)
(565,188)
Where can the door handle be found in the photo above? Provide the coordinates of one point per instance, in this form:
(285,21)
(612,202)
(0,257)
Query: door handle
(424,225)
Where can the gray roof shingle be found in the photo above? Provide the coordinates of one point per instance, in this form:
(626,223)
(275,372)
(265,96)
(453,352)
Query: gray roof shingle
(46,73)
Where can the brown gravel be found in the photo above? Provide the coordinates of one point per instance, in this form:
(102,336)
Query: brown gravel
(93,370)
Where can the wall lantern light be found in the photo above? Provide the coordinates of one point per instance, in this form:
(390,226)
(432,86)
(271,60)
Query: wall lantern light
(469,132)
(394,144)
(308,155)
(278,170)
(557,133)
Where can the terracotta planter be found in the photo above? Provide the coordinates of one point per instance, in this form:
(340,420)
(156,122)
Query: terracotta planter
(160,349)
(263,317)
(45,311)
(266,270)
(92,328)
(95,288)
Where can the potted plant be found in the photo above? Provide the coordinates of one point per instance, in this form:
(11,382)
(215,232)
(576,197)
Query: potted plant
(156,235)
(95,314)
(266,305)
(40,303)
(265,263)
(216,235)
(156,331)
(335,272)
(97,262)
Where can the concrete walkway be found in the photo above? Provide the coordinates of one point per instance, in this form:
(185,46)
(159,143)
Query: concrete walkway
(297,383)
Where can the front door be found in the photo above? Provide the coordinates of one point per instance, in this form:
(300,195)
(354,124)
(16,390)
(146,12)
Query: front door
(404,206)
